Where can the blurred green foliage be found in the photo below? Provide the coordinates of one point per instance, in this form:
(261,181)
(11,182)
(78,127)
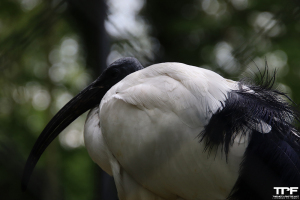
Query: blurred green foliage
(43,65)
(41,69)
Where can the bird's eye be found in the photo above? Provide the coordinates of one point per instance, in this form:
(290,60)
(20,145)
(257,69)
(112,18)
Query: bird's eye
(113,74)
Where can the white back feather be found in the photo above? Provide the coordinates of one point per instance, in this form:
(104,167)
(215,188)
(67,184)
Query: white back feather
(190,92)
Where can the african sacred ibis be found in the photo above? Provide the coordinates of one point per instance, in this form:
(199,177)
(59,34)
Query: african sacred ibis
(173,131)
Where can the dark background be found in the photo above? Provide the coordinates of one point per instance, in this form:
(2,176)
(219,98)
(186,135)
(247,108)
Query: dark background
(52,49)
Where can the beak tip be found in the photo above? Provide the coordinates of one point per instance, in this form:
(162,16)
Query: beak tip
(24,183)
(27,172)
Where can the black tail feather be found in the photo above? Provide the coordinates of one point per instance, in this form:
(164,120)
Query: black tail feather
(272,158)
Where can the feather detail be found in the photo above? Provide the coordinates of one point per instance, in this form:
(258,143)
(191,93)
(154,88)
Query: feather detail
(272,158)
(251,108)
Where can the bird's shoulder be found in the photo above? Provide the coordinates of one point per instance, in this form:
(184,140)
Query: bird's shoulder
(190,92)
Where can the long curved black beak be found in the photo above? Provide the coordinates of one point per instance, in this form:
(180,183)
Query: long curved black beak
(85,100)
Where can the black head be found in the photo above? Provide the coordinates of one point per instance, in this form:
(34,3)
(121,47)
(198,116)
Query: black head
(117,71)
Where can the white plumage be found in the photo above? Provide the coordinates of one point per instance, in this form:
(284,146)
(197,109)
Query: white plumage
(145,134)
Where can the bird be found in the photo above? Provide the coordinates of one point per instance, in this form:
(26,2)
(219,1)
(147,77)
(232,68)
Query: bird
(173,131)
